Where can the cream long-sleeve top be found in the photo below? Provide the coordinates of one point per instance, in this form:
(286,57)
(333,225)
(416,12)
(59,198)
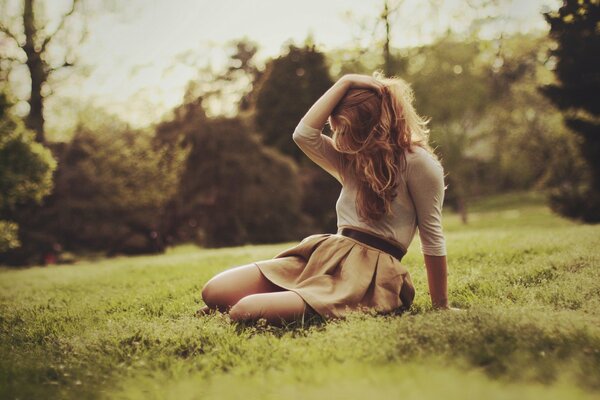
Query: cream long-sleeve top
(417,205)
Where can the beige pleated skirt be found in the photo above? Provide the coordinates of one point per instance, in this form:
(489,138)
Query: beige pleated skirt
(335,274)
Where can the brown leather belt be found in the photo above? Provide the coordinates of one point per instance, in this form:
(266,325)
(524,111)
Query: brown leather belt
(374,241)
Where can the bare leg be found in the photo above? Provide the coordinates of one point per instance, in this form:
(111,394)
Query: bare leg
(226,288)
(277,308)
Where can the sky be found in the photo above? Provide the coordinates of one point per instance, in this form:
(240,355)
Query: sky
(140,55)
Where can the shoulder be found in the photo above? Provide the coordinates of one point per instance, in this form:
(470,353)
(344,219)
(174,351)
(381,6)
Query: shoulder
(425,175)
(420,159)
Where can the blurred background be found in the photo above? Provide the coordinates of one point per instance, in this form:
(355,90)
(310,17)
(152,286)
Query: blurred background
(129,127)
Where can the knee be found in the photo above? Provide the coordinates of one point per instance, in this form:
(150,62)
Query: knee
(208,293)
(244,309)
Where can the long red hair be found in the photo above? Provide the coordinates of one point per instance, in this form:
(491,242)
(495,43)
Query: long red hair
(373,132)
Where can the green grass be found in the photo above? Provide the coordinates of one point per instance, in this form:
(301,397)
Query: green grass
(124,327)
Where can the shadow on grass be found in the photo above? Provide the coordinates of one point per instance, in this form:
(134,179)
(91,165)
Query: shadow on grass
(314,322)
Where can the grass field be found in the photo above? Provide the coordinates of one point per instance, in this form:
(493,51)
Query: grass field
(529,283)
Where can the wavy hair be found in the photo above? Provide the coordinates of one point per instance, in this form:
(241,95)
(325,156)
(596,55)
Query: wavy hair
(373,131)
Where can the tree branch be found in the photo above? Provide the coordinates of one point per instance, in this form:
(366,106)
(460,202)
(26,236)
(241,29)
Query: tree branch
(8,33)
(10,59)
(66,64)
(60,26)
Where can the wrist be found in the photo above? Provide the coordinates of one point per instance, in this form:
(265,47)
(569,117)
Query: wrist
(344,81)
(440,303)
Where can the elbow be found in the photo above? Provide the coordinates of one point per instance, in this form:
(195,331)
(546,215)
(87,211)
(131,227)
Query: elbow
(306,134)
(296,137)
(433,243)
(434,248)
(299,139)
(437,251)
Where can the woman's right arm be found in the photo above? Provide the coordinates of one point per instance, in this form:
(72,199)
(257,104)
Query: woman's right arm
(317,115)
(307,135)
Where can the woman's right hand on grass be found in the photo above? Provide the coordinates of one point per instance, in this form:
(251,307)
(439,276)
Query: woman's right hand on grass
(454,309)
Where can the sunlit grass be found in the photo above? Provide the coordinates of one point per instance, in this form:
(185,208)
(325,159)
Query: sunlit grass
(124,327)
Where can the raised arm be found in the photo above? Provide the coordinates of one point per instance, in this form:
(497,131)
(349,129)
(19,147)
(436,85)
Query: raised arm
(319,148)
(425,180)
(317,115)
(307,135)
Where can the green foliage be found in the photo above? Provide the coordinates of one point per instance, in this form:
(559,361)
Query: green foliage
(242,64)
(527,280)
(575,28)
(120,167)
(25,172)
(208,176)
(9,235)
(232,189)
(234,84)
(320,192)
(452,88)
(355,60)
(490,125)
(111,188)
(448,68)
(116,188)
(289,87)
(26,166)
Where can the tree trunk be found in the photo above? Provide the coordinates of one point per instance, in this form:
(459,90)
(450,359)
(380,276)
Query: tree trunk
(462,209)
(386,46)
(37,70)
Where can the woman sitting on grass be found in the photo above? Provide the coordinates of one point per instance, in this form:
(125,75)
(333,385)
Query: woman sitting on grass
(392,183)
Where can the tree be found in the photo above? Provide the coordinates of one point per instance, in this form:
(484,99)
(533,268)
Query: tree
(232,190)
(492,128)
(451,89)
(110,191)
(25,172)
(242,67)
(226,92)
(289,87)
(33,42)
(391,66)
(448,80)
(575,28)
(115,188)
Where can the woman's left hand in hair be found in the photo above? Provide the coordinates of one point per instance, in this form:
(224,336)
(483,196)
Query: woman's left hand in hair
(358,81)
